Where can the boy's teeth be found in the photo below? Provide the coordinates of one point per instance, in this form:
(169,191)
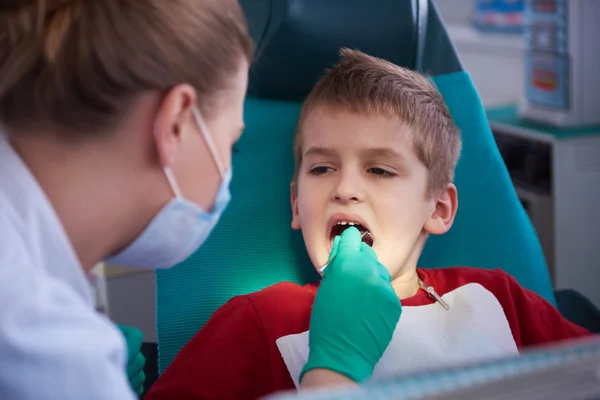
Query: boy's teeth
(365,234)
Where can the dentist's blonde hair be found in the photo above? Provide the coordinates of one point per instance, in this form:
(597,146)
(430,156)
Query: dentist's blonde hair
(77,66)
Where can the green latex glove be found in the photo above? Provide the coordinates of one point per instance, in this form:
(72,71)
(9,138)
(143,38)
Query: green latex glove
(135,359)
(355,311)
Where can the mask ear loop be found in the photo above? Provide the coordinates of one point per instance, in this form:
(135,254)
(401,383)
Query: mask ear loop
(172,182)
(211,147)
(209,141)
(169,172)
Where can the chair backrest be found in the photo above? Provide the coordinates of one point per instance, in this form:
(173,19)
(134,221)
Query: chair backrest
(253,246)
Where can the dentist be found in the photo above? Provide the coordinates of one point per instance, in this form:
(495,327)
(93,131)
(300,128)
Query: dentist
(117,121)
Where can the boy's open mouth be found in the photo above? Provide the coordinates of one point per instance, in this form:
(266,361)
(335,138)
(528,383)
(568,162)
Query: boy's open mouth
(341,226)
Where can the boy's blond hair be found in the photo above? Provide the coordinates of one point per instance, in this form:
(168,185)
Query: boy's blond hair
(364,84)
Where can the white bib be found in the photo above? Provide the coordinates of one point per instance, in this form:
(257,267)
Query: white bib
(429,337)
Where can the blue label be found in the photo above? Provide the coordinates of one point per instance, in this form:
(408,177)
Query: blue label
(547,79)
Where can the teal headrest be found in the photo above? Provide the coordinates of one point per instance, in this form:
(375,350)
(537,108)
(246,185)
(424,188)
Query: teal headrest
(253,246)
(296,40)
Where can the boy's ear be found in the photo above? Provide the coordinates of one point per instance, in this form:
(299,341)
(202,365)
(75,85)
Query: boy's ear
(445,206)
(294,203)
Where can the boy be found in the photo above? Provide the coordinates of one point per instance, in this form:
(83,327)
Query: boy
(375,152)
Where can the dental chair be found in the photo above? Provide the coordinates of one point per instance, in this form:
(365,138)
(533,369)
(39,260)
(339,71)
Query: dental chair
(253,246)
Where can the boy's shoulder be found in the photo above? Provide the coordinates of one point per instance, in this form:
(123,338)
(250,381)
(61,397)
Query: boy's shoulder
(283,308)
(283,290)
(235,354)
(448,279)
(533,320)
(284,298)
(499,283)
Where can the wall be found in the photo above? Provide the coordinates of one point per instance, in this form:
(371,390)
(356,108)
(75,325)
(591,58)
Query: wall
(455,11)
(494,60)
(132,301)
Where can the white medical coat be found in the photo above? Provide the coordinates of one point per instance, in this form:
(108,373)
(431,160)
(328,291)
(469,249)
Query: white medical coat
(53,344)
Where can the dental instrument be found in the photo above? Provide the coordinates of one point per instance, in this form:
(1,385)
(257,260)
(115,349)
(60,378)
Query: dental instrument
(362,236)
(430,290)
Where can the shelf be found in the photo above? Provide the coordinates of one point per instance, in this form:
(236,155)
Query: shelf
(467,36)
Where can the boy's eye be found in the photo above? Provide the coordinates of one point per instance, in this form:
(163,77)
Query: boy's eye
(381,172)
(320,170)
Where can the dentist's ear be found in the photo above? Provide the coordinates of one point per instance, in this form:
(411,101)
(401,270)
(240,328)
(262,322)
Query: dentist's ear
(445,205)
(173,115)
(294,203)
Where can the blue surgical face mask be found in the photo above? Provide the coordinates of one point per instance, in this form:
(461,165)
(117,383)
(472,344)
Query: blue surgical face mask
(180,227)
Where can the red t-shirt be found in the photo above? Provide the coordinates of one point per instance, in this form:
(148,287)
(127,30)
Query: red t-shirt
(235,355)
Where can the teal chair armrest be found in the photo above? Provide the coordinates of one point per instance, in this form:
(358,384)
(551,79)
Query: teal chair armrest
(578,309)
(150,352)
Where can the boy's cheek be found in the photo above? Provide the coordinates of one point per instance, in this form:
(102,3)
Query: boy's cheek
(318,254)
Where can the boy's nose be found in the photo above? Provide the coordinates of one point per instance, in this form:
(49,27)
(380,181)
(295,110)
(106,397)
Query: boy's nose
(347,189)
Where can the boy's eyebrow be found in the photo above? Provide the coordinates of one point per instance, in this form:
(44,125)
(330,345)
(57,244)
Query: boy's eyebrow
(373,152)
(319,151)
(384,152)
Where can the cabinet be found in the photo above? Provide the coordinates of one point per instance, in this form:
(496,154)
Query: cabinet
(556,174)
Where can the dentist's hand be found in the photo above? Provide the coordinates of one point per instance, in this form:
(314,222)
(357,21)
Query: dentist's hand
(135,359)
(355,311)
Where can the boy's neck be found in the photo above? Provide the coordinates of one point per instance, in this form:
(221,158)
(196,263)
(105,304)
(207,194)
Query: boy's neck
(406,284)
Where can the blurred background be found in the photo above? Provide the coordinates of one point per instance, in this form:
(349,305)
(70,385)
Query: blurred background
(488,35)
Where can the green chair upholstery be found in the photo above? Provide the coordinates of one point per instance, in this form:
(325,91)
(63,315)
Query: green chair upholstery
(254,246)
